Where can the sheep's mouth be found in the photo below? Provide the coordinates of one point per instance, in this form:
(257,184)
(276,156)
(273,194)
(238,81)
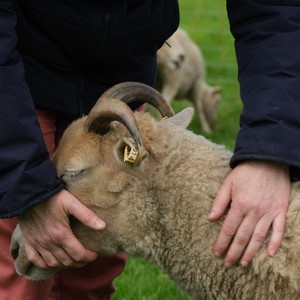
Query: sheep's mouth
(177,64)
(26,269)
(32,272)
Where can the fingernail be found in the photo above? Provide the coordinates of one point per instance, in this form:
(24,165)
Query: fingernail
(227,264)
(211,214)
(272,252)
(100,224)
(217,254)
(244,263)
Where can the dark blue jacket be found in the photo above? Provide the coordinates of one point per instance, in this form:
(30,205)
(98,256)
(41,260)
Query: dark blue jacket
(267,42)
(267,37)
(72,51)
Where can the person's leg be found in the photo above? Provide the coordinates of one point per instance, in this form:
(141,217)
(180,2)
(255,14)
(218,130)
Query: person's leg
(12,285)
(92,282)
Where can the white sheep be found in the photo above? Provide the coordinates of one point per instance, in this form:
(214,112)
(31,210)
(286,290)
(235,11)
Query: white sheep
(156,203)
(181,74)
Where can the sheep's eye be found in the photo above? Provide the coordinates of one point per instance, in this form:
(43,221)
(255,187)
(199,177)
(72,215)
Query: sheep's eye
(71,175)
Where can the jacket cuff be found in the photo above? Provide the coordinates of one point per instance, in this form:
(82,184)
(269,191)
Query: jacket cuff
(18,211)
(236,159)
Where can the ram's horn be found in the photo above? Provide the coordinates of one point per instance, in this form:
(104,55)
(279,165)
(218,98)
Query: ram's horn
(107,110)
(130,92)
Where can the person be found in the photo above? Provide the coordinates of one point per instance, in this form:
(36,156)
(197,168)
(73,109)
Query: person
(56,59)
(266,155)
(62,68)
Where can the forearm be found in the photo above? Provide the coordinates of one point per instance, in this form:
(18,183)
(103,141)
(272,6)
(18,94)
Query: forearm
(269,75)
(27,176)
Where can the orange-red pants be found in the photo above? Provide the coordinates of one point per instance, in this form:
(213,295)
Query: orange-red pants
(91,282)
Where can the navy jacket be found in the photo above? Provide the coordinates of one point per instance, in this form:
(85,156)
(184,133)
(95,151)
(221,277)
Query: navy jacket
(267,34)
(62,55)
(267,42)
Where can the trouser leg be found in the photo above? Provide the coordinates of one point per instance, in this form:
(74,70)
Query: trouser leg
(92,282)
(13,286)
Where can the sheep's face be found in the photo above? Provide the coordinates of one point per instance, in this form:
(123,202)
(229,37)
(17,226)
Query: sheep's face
(93,169)
(171,56)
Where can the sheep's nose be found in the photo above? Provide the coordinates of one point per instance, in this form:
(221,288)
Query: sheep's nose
(181,57)
(179,61)
(14,249)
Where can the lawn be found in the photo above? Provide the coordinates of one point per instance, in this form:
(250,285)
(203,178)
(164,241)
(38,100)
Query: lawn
(207,23)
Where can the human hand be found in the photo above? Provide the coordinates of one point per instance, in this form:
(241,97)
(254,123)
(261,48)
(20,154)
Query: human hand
(48,238)
(258,195)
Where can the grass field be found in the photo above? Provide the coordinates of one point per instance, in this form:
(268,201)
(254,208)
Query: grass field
(207,23)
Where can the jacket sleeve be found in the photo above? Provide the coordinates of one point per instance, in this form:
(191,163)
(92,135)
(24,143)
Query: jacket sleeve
(27,176)
(267,43)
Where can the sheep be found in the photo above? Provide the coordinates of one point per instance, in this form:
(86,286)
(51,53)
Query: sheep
(153,183)
(181,74)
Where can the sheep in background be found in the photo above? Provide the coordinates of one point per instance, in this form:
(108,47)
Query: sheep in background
(181,75)
(156,203)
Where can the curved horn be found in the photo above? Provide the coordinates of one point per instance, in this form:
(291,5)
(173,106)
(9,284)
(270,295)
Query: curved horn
(131,91)
(107,110)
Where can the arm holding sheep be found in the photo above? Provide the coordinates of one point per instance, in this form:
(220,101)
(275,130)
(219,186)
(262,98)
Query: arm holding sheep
(268,140)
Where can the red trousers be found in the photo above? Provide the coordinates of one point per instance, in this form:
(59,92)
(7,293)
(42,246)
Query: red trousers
(92,282)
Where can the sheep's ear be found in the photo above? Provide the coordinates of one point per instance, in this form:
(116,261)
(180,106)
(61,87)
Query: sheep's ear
(127,152)
(183,118)
(217,89)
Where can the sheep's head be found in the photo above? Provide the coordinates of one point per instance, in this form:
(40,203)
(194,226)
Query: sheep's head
(171,55)
(90,160)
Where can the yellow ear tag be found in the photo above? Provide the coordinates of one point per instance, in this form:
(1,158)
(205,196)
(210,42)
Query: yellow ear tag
(130,154)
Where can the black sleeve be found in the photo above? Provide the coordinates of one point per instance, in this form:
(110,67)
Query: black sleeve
(267,43)
(27,176)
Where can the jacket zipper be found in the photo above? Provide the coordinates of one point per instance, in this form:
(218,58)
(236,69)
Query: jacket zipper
(99,51)
(105,37)
(81,95)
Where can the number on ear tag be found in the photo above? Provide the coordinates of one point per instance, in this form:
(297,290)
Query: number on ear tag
(130,154)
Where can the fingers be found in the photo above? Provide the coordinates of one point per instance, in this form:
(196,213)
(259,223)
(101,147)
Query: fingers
(248,239)
(34,257)
(256,240)
(75,250)
(277,234)
(85,215)
(51,252)
(58,257)
(227,233)
(241,238)
(221,201)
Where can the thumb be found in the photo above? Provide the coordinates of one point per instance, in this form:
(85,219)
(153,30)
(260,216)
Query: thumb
(221,201)
(85,215)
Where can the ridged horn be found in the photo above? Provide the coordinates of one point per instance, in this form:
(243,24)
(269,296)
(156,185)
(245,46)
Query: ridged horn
(132,91)
(109,109)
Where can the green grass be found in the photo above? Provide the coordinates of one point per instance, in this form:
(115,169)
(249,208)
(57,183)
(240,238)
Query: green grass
(142,281)
(207,24)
